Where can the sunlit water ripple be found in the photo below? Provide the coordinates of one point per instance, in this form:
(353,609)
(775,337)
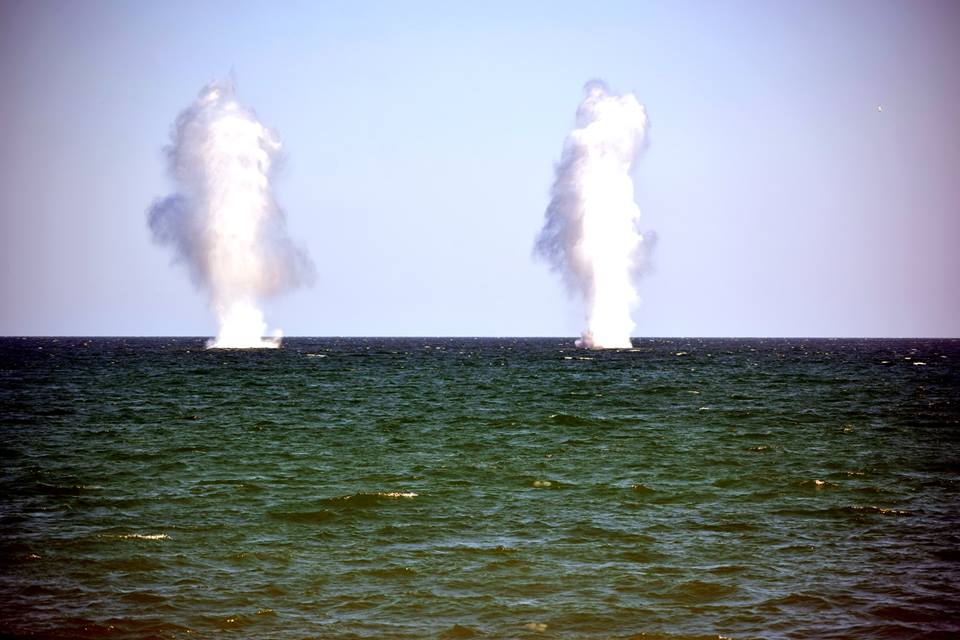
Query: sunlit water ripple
(456,488)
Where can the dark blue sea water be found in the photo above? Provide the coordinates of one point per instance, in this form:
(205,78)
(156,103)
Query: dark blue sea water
(457,488)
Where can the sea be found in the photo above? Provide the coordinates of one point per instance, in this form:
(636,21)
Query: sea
(480,488)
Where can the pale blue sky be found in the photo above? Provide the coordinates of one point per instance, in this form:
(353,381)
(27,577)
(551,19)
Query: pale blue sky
(420,140)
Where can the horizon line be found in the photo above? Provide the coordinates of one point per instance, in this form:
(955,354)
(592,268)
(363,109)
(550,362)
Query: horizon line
(487,337)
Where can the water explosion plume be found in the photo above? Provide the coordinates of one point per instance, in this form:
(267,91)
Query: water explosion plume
(589,233)
(224,223)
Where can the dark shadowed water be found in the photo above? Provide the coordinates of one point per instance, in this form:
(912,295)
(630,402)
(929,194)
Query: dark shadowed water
(457,488)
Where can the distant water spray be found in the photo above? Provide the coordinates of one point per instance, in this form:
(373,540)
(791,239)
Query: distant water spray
(224,223)
(589,233)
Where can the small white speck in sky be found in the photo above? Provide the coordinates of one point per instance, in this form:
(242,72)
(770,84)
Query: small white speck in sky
(879,108)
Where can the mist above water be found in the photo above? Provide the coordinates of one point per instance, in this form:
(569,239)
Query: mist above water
(223,222)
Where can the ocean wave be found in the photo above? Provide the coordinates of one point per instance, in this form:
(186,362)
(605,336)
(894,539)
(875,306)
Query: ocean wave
(368,498)
(843,511)
(330,508)
(815,484)
(143,597)
(66,489)
(136,564)
(479,549)
(137,536)
(460,631)
(872,490)
(731,526)
(699,591)
(883,511)
(71,628)
(640,556)
(589,533)
(391,572)
(303,517)
(797,601)
(569,420)
(596,420)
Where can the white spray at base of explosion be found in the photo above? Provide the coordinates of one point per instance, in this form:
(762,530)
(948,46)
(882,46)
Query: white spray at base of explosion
(589,233)
(225,224)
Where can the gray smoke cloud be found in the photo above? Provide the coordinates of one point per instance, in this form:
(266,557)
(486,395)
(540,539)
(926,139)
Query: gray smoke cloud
(223,222)
(590,234)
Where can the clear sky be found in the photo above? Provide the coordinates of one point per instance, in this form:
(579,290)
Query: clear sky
(420,139)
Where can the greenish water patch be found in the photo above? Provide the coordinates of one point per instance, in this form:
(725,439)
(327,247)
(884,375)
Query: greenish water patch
(459,488)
